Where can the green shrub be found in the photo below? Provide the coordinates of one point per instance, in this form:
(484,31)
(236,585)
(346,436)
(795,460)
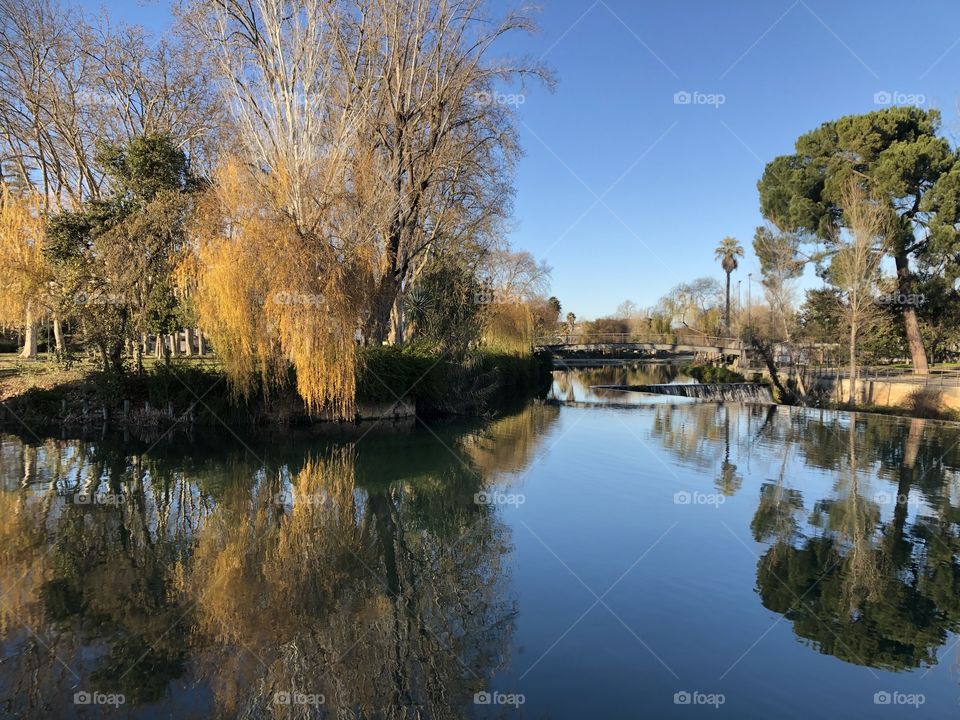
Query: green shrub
(386,373)
(712,374)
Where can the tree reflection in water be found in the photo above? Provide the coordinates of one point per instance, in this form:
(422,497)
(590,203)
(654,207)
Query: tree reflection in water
(858,583)
(385,595)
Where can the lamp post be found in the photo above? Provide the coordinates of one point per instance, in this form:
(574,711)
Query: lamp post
(749,302)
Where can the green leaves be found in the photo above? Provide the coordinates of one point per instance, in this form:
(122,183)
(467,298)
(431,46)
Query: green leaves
(896,152)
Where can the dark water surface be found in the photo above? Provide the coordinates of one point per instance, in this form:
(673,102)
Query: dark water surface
(662,561)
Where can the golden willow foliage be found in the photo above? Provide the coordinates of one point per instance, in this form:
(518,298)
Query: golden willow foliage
(270,293)
(302,576)
(509,327)
(24,271)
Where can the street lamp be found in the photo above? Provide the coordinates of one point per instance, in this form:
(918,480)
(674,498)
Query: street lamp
(749,303)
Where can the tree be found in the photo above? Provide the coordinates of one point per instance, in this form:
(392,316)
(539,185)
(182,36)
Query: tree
(906,164)
(24,271)
(405,159)
(68,83)
(443,311)
(780,265)
(727,253)
(694,304)
(115,256)
(855,267)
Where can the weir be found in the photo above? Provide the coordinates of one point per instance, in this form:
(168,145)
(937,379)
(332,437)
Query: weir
(715,392)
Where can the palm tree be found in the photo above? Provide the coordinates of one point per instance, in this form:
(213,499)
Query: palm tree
(727,253)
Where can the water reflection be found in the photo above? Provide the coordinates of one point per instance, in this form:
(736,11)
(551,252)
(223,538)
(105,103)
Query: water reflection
(585,384)
(856,579)
(310,587)
(210,578)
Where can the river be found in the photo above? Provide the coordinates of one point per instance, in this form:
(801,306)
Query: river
(601,555)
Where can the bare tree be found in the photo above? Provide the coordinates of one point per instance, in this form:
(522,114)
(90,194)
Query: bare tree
(855,268)
(442,139)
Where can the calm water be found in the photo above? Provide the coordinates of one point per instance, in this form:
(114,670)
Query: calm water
(563,562)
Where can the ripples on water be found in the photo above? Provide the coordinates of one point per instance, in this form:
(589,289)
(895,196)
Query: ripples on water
(589,562)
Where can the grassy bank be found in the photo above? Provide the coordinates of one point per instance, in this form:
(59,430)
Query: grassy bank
(39,393)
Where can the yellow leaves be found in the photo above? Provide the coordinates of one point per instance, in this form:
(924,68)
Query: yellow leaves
(509,327)
(273,295)
(24,271)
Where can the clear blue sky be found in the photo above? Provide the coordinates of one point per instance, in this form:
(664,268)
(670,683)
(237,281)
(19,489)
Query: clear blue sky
(624,192)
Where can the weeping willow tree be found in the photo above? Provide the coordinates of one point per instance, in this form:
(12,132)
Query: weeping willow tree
(280,266)
(272,294)
(24,271)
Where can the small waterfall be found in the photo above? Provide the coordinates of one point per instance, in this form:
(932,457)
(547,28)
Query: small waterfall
(726,392)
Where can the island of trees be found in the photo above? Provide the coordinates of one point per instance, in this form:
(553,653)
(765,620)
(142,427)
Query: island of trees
(317,197)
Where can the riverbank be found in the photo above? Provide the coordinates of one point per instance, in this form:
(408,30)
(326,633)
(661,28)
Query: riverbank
(391,384)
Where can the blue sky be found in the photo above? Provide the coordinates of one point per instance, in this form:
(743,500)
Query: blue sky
(624,192)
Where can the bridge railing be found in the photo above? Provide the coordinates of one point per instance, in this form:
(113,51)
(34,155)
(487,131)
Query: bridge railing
(677,338)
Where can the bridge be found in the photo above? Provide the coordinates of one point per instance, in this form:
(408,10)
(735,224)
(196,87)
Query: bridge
(680,343)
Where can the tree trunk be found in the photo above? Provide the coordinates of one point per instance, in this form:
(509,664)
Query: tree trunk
(398,322)
(141,345)
(853,362)
(379,327)
(29,333)
(61,348)
(918,354)
(201,343)
(727,312)
(766,352)
(188,349)
(158,346)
